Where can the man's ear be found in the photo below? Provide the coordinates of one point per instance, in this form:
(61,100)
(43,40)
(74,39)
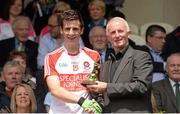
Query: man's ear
(149,39)
(107,36)
(60,30)
(129,33)
(90,41)
(82,30)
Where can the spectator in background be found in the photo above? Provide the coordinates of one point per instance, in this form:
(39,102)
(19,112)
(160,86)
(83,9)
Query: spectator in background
(60,7)
(49,41)
(155,39)
(166,92)
(12,74)
(21,58)
(99,42)
(23,100)
(172,44)
(39,12)
(96,11)
(13,9)
(20,42)
(57,10)
(125,82)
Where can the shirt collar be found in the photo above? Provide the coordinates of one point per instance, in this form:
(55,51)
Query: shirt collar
(152,50)
(173,82)
(121,52)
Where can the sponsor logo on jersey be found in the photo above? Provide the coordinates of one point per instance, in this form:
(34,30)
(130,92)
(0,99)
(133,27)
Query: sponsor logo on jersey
(75,67)
(63,65)
(72,82)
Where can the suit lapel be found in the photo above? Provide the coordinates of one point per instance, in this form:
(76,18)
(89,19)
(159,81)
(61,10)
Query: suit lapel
(125,60)
(12,43)
(170,91)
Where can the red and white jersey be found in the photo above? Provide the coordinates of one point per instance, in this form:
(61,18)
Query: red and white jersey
(72,70)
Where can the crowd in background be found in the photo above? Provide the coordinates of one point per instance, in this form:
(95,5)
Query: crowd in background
(28,34)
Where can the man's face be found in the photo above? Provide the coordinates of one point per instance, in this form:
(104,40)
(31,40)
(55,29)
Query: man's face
(118,34)
(71,32)
(173,68)
(22,30)
(98,39)
(96,12)
(12,76)
(20,61)
(157,41)
(53,27)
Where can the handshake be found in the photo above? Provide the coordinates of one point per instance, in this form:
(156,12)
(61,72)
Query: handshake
(88,104)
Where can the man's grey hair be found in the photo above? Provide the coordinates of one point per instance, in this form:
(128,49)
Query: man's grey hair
(94,28)
(174,54)
(117,19)
(18,20)
(11,64)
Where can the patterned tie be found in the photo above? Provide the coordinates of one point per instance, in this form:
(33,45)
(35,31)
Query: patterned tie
(178,96)
(20,46)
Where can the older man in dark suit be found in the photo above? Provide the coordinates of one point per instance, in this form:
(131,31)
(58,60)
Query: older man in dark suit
(167,92)
(99,42)
(125,82)
(20,26)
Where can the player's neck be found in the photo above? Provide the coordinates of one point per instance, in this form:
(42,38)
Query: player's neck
(72,49)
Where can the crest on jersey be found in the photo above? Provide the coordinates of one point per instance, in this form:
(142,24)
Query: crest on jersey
(75,67)
(86,65)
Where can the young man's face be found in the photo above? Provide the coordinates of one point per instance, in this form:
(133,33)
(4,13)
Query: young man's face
(71,31)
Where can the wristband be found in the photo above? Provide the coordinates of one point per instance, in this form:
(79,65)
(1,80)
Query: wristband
(81,100)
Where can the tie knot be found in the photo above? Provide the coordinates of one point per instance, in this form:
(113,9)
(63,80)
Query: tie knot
(20,46)
(177,84)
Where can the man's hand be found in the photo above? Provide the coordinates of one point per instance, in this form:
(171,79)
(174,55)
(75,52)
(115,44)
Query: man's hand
(99,87)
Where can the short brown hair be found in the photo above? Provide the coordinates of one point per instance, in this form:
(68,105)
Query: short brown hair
(13,54)
(70,15)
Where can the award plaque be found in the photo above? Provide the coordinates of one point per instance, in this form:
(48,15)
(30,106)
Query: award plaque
(93,76)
